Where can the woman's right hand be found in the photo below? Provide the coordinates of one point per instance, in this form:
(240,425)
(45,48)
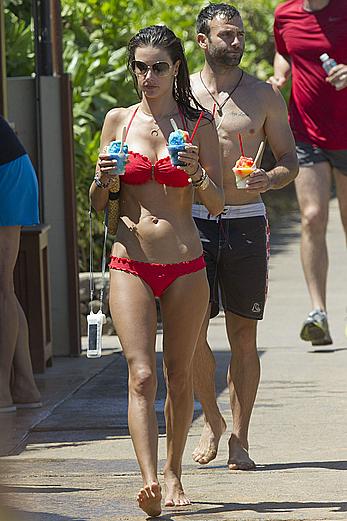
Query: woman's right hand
(106,169)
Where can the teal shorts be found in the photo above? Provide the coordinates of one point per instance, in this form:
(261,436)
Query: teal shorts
(18,193)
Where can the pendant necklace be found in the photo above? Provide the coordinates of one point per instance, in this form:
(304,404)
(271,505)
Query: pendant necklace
(221,105)
(155,130)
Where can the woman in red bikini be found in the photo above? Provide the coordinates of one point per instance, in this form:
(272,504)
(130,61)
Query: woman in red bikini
(157,252)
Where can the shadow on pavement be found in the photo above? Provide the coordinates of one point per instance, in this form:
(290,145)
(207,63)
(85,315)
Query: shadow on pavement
(100,408)
(262,507)
(42,516)
(331,465)
(45,490)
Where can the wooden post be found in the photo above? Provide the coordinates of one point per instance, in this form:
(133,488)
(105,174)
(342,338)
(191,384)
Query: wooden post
(31,279)
(3,76)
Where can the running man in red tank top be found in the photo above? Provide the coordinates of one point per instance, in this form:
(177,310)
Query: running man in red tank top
(304,30)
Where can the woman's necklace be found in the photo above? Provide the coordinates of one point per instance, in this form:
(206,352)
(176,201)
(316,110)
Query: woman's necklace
(221,105)
(155,130)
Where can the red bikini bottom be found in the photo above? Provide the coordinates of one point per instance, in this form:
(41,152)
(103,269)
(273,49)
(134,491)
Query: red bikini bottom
(157,276)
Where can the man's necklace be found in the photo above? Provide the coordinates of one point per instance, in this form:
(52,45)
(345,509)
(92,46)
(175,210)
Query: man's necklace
(221,105)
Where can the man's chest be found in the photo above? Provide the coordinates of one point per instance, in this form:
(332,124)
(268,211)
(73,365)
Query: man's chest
(241,114)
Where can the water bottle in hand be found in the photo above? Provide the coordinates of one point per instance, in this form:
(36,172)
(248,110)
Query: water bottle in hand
(327,62)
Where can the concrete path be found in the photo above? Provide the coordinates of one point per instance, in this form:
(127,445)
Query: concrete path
(73,460)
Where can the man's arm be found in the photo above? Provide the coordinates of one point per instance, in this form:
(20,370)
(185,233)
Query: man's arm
(281,141)
(282,70)
(282,144)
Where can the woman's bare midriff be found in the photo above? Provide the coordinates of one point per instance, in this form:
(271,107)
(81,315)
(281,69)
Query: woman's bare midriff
(156,228)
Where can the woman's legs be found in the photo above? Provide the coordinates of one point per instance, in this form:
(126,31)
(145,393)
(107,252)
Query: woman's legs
(134,314)
(184,305)
(9,247)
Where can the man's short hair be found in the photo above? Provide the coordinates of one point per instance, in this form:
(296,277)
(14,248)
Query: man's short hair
(211,11)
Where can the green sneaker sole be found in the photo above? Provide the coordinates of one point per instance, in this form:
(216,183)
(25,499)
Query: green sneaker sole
(312,332)
(326,341)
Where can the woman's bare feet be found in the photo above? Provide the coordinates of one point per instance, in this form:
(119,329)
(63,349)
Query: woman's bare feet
(207,447)
(238,455)
(175,496)
(149,499)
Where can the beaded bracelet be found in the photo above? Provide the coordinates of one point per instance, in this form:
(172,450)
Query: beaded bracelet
(99,183)
(203,182)
(196,183)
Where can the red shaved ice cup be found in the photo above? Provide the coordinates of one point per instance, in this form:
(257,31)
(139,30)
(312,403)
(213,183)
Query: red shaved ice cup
(243,168)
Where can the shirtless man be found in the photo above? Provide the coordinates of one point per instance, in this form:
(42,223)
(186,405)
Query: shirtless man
(236,243)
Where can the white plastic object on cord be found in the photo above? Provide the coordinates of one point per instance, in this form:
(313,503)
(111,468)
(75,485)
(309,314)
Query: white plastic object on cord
(95,322)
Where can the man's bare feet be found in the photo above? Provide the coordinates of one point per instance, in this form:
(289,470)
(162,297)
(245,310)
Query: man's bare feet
(238,456)
(149,499)
(175,496)
(207,447)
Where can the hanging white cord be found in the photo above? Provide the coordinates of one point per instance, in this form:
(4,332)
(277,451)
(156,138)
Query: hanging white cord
(91,261)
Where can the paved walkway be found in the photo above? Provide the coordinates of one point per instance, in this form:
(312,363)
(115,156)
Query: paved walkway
(73,460)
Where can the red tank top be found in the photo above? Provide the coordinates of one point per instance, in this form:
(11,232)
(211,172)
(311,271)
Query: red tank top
(140,170)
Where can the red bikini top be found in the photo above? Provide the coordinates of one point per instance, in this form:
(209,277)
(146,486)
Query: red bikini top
(140,170)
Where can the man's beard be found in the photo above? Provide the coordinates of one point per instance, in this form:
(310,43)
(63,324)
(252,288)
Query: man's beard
(224,58)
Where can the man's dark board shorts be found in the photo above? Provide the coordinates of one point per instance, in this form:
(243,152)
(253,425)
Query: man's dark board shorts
(236,255)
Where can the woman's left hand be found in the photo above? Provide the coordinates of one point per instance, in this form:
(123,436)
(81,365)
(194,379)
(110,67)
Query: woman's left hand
(191,157)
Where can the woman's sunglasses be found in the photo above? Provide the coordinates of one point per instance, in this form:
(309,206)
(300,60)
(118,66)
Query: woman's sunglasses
(158,68)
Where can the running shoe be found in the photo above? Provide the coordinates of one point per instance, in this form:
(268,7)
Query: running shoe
(315,329)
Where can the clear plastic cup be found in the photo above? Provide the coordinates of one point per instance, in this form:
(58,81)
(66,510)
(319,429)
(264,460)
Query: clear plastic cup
(113,150)
(242,175)
(173,151)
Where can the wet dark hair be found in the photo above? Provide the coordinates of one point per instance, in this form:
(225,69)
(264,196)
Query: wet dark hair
(162,37)
(211,11)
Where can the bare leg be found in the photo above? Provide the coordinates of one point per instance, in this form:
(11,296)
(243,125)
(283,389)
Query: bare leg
(183,309)
(313,192)
(341,190)
(243,381)
(23,386)
(134,314)
(9,246)
(204,368)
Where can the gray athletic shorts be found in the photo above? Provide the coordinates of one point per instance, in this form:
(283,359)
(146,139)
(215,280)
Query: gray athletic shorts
(309,155)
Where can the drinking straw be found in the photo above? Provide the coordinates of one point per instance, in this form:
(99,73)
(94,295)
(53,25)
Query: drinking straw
(214,110)
(122,140)
(174,125)
(241,146)
(259,153)
(196,127)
